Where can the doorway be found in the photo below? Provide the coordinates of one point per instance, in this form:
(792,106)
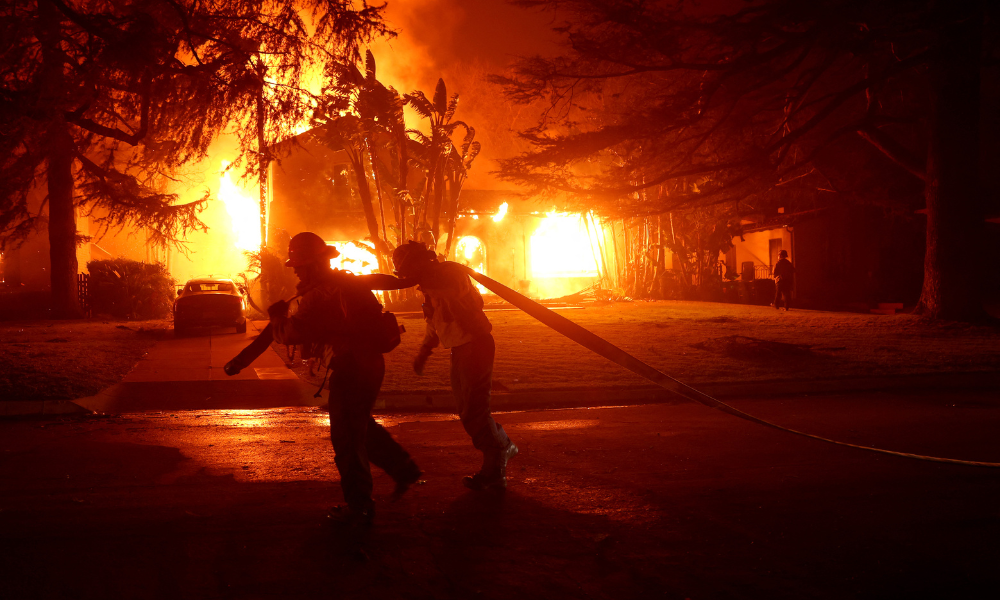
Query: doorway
(773,247)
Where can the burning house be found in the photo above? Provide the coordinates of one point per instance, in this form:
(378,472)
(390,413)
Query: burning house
(542,253)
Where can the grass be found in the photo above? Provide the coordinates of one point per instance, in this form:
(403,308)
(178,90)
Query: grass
(695,342)
(699,342)
(64,360)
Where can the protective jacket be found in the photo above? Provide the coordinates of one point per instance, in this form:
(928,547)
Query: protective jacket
(453,307)
(338,311)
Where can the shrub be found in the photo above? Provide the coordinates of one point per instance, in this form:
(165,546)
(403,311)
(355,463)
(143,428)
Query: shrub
(130,289)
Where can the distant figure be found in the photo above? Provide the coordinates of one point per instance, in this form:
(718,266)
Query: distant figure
(339,311)
(453,310)
(784,279)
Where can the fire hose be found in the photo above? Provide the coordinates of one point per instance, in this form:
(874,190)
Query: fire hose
(254,348)
(604,348)
(616,355)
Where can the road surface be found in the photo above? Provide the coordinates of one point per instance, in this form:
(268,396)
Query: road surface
(654,501)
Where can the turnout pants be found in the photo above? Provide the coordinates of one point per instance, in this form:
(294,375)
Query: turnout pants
(471,381)
(357,439)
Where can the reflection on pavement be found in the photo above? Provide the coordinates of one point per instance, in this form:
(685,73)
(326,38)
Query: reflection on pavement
(552,425)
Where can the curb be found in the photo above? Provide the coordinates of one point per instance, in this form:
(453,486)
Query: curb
(41,408)
(238,394)
(249,395)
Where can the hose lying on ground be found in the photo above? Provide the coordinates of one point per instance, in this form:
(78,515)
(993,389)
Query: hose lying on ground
(615,354)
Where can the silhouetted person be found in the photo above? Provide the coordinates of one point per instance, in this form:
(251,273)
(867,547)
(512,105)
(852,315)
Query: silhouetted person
(339,311)
(453,310)
(784,279)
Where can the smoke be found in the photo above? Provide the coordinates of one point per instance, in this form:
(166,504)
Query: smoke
(460,41)
(463,42)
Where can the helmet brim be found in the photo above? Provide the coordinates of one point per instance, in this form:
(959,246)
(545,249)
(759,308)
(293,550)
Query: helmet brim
(298,261)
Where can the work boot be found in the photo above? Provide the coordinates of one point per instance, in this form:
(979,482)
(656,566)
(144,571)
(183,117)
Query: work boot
(493,475)
(409,475)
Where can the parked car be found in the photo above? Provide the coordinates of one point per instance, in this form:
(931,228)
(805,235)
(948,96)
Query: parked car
(207,302)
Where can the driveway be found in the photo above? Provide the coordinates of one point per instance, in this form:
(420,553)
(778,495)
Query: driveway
(185,373)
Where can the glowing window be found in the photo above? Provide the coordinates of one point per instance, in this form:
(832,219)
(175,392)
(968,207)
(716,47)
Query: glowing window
(210,287)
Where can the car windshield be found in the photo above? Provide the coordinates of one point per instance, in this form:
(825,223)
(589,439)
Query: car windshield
(210,287)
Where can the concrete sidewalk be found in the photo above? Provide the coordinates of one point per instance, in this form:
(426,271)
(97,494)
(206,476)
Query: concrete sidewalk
(185,373)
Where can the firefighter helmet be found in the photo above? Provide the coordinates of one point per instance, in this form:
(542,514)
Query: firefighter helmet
(410,254)
(307,247)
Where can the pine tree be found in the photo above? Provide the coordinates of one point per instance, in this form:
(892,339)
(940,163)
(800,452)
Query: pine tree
(711,107)
(103,99)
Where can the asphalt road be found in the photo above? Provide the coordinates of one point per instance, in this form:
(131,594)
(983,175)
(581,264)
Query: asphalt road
(653,501)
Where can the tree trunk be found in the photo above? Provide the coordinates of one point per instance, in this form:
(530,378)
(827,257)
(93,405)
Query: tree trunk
(955,206)
(454,190)
(62,219)
(365,193)
(403,176)
(263,160)
(683,258)
(62,228)
(419,221)
(701,251)
(438,200)
(372,158)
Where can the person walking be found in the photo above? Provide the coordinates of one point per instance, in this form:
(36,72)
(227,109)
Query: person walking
(339,313)
(453,311)
(784,279)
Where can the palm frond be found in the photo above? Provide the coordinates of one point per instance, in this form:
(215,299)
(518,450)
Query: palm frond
(452,107)
(369,67)
(440,98)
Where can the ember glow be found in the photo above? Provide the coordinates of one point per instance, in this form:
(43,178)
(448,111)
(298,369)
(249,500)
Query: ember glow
(243,210)
(562,246)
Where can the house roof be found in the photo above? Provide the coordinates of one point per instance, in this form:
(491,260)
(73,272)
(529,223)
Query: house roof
(777,221)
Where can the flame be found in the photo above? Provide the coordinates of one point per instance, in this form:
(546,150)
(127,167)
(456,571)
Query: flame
(354,258)
(500,213)
(562,246)
(470,252)
(243,210)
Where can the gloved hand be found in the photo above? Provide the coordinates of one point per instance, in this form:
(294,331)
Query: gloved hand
(420,361)
(278,310)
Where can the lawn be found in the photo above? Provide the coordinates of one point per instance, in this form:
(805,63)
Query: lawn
(64,360)
(699,342)
(695,342)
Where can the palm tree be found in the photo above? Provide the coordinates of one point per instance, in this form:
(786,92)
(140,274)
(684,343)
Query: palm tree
(436,147)
(457,167)
(380,137)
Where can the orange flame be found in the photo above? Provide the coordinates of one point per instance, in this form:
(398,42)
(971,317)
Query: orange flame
(563,246)
(354,258)
(470,252)
(501,212)
(243,210)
